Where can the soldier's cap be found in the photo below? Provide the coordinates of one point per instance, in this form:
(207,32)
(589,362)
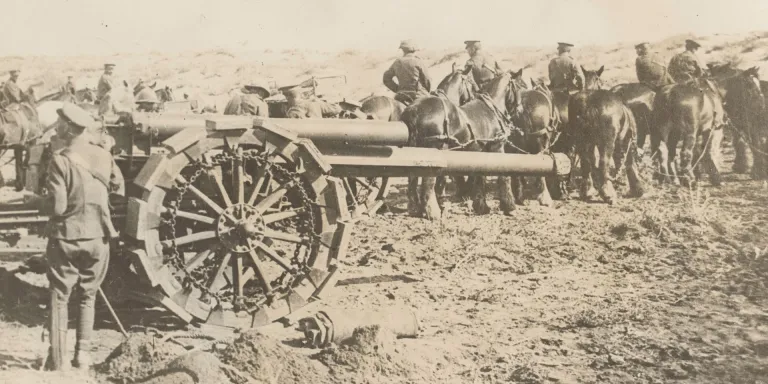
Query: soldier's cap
(76,116)
(408,44)
(560,44)
(258,88)
(691,43)
(108,65)
(642,45)
(292,90)
(469,43)
(14,71)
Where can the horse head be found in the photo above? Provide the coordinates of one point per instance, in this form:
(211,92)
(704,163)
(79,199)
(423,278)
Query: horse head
(86,95)
(513,93)
(592,80)
(457,86)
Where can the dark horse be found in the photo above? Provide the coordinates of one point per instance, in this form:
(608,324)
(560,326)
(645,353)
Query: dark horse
(382,108)
(537,121)
(163,94)
(639,98)
(694,115)
(19,126)
(85,95)
(479,125)
(602,128)
(744,101)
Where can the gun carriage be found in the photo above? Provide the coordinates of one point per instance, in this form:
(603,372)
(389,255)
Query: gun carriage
(235,221)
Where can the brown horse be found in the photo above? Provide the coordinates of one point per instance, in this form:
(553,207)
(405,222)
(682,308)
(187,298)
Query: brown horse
(536,122)
(600,121)
(382,108)
(694,115)
(744,102)
(478,125)
(639,98)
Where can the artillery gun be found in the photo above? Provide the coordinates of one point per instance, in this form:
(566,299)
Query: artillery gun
(235,221)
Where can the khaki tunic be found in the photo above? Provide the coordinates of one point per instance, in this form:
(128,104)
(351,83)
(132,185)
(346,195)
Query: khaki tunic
(312,109)
(247,105)
(106,84)
(651,70)
(685,66)
(483,66)
(411,75)
(564,73)
(12,92)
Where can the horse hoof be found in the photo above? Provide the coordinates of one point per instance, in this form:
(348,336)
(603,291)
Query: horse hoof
(482,209)
(545,201)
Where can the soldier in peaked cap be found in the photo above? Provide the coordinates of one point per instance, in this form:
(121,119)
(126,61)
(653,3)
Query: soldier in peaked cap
(411,73)
(106,82)
(564,72)
(686,66)
(300,108)
(481,64)
(650,70)
(251,102)
(80,178)
(11,91)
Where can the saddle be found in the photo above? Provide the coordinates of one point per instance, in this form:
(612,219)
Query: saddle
(406,97)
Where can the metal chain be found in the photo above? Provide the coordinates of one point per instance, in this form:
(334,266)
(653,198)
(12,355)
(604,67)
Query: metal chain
(286,279)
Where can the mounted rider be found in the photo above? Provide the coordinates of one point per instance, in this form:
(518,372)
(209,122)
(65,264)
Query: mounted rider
(106,82)
(650,69)
(70,86)
(481,64)
(413,81)
(686,66)
(250,102)
(564,73)
(12,94)
(299,107)
(147,101)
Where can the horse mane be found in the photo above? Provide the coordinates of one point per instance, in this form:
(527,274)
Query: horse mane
(447,79)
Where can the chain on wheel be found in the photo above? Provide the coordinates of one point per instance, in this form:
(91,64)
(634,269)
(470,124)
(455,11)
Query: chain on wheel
(237,235)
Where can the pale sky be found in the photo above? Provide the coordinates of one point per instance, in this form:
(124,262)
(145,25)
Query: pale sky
(63,27)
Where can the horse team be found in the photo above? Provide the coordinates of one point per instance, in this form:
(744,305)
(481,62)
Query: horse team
(603,128)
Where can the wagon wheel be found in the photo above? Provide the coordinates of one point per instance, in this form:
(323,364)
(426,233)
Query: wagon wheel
(237,231)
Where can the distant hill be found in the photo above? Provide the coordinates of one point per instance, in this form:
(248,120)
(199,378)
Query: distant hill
(214,74)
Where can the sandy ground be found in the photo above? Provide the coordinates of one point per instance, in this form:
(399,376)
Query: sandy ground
(667,288)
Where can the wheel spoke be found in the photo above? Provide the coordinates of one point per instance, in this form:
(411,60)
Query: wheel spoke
(237,278)
(270,200)
(275,217)
(196,260)
(260,273)
(261,176)
(216,176)
(240,177)
(193,238)
(192,216)
(270,253)
(277,235)
(200,195)
(217,281)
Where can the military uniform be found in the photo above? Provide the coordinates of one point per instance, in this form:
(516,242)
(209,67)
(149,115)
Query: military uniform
(413,81)
(70,87)
(79,180)
(248,103)
(651,70)
(316,109)
(106,83)
(482,65)
(564,73)
(12,93)
(685,67)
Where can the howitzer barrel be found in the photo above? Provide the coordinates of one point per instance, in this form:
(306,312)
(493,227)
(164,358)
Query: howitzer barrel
(373,161)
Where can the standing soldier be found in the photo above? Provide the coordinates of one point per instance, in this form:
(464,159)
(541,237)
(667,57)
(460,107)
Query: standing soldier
(80,178)
(251,102)
(564,73)
(11,91)
(650,70)
(413,81)
(299,107)
(106,82)
(482,64)
(686,66)
(70,86)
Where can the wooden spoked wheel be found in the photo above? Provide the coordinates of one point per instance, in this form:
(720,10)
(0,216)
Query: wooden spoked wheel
(238,228)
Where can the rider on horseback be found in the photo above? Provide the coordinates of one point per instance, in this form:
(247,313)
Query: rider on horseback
(106,82)
(564,72)
(650,70)
(413,81)
(483,66)
(686,66)
(12,94)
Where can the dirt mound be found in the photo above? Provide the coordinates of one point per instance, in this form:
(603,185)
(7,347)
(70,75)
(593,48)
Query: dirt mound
(267,360)
(371,356)
(139,357)
(195,367)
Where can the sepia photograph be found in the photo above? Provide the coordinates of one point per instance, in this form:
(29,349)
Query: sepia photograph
(399,191)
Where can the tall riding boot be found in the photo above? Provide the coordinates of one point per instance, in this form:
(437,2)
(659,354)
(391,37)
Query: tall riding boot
(82,358)
(58,328)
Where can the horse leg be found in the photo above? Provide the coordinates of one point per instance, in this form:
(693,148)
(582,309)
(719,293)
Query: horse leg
(686,156)
(429,203)
(712,140)
(587,156)
(440,191)
(741,161)
(414,200)
(18,154)
(605,185)
(479,203)
(506,199)
(517,190)
(759,161)
(636,185)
